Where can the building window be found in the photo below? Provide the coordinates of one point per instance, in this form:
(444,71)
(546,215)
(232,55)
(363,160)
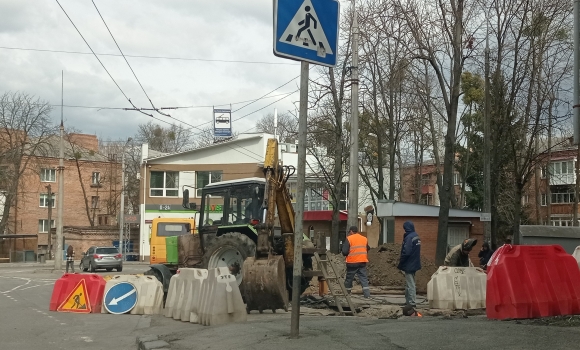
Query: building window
(204,178)
(425,179)
(164,184)
(456,179)
(48,175)
(103,220)
(426,199)
(96,179)
(562,195)
(44,200)
(525,199)
(43,225)
(95,202)
(563,167)
(543,200)
(544,172)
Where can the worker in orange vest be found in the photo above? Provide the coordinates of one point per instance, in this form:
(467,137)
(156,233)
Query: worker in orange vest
(355,249)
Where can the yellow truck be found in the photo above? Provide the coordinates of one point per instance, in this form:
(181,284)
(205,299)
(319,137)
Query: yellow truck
(163,239)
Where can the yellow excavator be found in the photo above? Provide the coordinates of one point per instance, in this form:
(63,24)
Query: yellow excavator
(248,226)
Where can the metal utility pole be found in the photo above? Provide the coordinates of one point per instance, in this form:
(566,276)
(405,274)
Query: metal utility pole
(300,179)
(576,100)
(59,224)
(353,175)
(122,211)
(487,150)
(49,188)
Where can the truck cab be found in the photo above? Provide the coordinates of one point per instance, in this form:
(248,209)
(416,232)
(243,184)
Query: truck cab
(161,229)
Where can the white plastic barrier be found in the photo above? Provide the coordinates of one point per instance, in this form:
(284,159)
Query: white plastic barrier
(576,255)
(221,300)
(149,293)
(193,280)
(173,293)
(457,288)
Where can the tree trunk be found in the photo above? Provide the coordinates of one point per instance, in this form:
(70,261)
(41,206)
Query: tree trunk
(87,207)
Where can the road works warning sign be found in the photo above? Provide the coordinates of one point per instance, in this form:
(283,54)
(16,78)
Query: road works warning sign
(77,300)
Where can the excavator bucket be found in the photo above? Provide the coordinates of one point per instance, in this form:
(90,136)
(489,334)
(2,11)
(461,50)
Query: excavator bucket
(264,284)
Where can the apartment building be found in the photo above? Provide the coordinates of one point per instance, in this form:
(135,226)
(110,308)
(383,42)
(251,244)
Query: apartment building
(91,189)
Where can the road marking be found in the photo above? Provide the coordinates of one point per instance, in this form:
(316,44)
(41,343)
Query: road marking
(87,339)
(28,280)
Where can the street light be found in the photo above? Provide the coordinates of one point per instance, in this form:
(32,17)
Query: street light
(122,211)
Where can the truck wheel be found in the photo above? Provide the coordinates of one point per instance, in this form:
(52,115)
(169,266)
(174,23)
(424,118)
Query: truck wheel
(229,250)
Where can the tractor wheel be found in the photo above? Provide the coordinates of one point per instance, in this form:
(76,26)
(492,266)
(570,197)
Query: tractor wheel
(229,250)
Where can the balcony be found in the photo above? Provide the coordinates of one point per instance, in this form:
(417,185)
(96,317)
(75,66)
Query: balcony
(562,179)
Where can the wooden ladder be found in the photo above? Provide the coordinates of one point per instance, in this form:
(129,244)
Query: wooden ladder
(336,294)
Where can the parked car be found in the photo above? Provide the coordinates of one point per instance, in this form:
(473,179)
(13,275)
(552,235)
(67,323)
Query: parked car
(107,258)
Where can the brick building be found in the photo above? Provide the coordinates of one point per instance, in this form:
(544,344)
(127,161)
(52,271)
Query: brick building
(553,203)
(419,184)
(463,224)
(92,189)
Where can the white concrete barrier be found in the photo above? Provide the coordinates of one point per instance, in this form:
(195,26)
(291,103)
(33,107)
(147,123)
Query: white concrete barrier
(192,281)
(175,284)
(576,255)
(149,293)
(457,288)
(221,301)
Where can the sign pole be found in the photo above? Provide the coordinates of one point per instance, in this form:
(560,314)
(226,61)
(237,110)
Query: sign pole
(301,176)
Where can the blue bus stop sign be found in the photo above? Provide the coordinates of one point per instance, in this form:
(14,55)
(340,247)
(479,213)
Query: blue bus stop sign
(307,30)
(121,298)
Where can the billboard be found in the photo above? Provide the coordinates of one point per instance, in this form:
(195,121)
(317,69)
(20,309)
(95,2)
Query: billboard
(222,122)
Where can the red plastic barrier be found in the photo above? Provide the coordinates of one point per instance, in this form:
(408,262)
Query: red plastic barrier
(82,293)
(532,281)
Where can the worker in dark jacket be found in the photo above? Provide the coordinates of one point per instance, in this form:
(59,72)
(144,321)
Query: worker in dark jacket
(355,249)
(410,261)
(484,255)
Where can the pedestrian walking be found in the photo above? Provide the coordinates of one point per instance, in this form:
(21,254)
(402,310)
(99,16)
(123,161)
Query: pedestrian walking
(70,258)
(355,250)
(410,261)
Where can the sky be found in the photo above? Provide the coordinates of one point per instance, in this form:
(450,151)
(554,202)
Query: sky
(207,32)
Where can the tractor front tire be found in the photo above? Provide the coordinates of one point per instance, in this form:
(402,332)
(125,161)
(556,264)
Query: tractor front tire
(229,250)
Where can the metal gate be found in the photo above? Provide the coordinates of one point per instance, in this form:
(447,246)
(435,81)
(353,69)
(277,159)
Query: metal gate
(456,234)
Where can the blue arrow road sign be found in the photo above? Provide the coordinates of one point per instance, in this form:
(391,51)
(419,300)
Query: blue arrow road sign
(307,30)
(121,298)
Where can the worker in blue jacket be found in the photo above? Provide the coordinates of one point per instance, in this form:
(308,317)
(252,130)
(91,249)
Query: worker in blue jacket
(410,261)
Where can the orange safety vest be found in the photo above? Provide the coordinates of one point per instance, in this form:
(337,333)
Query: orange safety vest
(358,249)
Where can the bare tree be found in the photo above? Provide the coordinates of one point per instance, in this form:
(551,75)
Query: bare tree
(24,127)
(287,126)
(174,138)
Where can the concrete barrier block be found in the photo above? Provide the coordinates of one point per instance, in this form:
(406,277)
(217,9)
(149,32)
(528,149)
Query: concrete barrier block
(149,293)
(226,304)
(576,255)
(457,288)
(171,299)
(207,290)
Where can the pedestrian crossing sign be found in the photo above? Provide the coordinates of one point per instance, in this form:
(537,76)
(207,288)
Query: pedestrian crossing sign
(307,30)
(77,300)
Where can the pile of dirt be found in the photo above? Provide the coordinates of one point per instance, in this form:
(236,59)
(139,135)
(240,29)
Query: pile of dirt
(382,268)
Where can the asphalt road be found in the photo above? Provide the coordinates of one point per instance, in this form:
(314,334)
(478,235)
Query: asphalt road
(26,323)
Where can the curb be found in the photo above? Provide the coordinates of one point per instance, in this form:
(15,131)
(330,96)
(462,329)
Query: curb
(151,342)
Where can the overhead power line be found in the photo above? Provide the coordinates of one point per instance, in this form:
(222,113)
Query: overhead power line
(149,57)
(177,107)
